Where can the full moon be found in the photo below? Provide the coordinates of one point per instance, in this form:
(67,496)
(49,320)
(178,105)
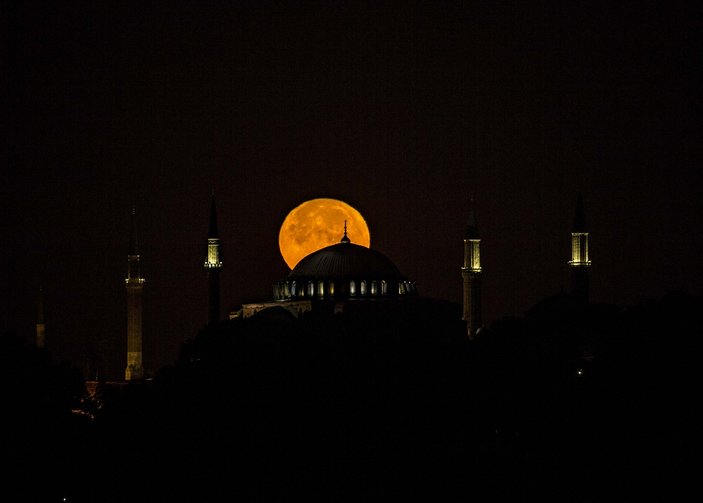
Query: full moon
(318,223)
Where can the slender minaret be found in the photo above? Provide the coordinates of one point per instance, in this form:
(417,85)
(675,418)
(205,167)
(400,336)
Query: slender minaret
(213,265)
(135,284)
(41,327)
(471,272)
(580,264)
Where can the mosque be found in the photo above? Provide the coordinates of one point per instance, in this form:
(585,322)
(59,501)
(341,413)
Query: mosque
(338,278)
(346,277)
(343,277)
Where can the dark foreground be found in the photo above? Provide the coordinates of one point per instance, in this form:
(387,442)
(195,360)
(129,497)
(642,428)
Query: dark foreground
(569,403)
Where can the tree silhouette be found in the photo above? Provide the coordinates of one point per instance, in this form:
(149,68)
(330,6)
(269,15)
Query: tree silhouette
(571,402)
(42,437)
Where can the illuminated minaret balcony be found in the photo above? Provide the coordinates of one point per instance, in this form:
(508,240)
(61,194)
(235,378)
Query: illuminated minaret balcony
(472,245)
(133,276)
(579,250)
(580,262)
(212,260)
(212,265)
(471,274)
(579,237)
(213,254)
(472,255)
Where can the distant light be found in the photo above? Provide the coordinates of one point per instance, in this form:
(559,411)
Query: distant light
(579,371)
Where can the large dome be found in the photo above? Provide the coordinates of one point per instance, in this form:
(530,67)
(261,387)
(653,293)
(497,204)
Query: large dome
(344,270)
(346,261)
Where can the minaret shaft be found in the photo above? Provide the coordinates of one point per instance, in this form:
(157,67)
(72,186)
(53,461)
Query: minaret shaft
(213,279)
(213,265)
(134,284)
(580,262)
(471,274)
(472,301)
(135,366)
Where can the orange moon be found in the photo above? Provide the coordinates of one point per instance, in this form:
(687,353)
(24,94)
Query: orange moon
(318,223)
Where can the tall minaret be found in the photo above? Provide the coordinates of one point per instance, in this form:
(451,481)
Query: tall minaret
(580,264)
(41,327)
(213,265)
(471,272)
(135,284)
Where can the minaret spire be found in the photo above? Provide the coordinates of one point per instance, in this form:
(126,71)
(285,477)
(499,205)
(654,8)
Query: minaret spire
(580,263)
(213,264)
(471,273)
(345,238)
(212,231)
(133,243)
(134,284)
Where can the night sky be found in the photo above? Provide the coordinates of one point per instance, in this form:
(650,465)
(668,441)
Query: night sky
(403,110)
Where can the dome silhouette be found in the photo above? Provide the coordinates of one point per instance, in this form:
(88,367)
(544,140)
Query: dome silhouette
(344,271)
(346,260)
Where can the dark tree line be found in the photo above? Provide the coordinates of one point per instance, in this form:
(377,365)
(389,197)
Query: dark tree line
(570,402)
(41,437)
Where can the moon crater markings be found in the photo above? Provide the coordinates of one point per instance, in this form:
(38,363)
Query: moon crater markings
(318,223)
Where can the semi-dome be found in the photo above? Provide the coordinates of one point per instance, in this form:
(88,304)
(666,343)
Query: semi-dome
(341,271)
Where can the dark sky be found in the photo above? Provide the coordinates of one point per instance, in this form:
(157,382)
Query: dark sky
(401,109)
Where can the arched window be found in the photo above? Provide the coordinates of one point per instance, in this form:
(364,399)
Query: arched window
(311,288)
(401,288)
(374,288)
(320,288)
(384,287)
(363,287)
(293,289)
(330,288)
(352,288)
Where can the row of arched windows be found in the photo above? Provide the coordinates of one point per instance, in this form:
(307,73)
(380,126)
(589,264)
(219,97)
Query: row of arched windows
(352,288)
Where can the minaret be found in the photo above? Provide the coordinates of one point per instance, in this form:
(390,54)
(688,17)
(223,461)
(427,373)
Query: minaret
(213,265)
(580,264)
(135,284)
(471,272)
(41,328)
